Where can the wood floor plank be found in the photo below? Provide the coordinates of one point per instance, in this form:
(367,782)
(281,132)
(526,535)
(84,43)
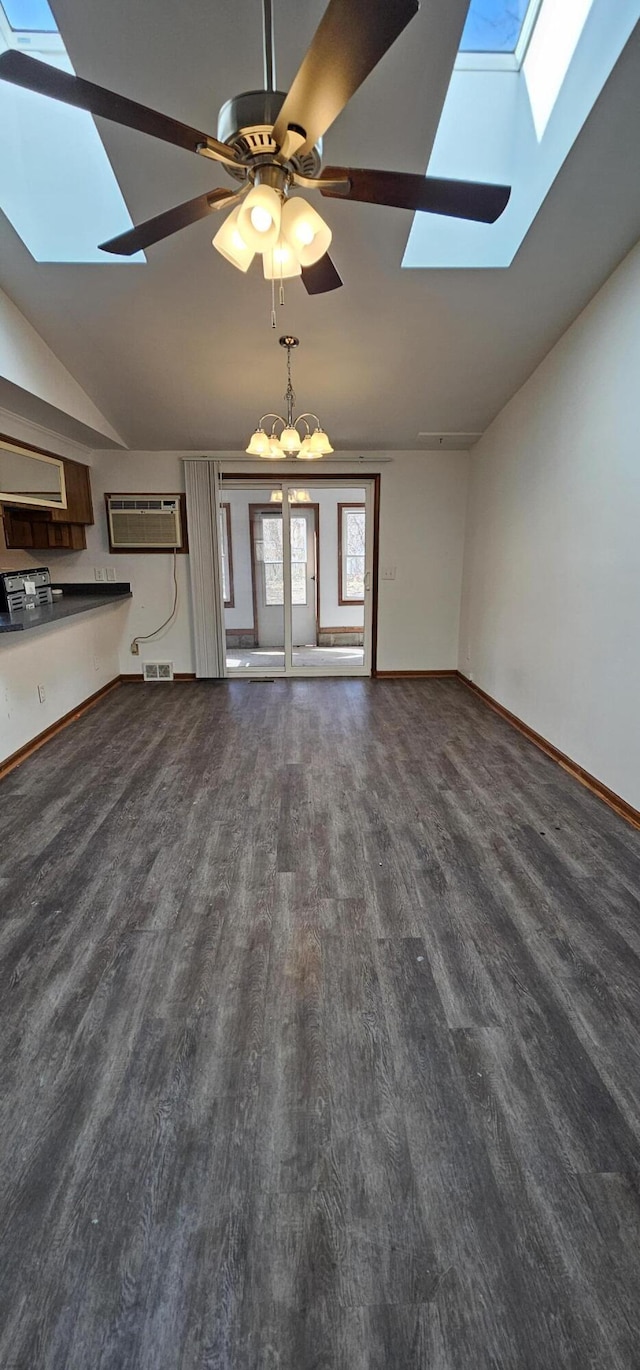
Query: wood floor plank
(320,1027)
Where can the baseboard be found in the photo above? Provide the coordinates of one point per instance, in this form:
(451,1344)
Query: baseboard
(590,782)
(36,742)
(413,675)
(137,677)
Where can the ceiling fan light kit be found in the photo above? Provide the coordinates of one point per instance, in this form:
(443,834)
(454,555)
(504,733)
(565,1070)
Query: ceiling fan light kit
(307,445)
(230,243)
(289,234)
(307,234)
(281,263)
(259,218)
(272,142)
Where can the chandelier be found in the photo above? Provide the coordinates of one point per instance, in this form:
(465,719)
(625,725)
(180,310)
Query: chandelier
(306,445)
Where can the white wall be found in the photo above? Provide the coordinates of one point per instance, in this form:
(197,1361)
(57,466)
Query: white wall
(26,361)
(71,659)
(551,606)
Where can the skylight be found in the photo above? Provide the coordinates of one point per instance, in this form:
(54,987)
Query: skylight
(57,185)
(494,25)
(512,117)
(29,16)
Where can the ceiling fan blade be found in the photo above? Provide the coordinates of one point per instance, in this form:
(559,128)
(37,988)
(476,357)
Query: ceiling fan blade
(350,40)
(144,235)
(321,277)
(21,70)
(405,190)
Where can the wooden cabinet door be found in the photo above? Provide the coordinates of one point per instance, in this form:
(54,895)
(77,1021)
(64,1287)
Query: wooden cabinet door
(79,508)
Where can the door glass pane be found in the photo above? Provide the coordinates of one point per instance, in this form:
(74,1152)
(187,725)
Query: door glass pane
(327,532)
(328,635)
(254,625)
(274,582)
(299,583)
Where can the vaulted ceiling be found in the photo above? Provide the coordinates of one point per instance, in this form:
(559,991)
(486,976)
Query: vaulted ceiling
(178,353)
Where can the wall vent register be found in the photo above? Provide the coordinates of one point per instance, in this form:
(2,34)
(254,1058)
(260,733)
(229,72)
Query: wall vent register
(138,522)
(157,670)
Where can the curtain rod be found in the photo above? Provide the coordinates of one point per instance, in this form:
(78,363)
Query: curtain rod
(272,467)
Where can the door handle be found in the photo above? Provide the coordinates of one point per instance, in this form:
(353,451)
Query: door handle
(367,580)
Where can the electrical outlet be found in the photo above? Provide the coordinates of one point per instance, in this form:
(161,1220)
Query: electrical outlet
(98,573)
(110,573)
(42,694)
(96,663)
(388,573)
(135,649)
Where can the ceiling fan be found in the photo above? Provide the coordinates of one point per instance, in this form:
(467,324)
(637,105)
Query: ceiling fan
(272,143)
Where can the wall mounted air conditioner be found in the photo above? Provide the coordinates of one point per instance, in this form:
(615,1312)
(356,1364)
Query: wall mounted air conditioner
(144,522)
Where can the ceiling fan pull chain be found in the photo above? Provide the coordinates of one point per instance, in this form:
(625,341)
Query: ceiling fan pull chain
(273,302)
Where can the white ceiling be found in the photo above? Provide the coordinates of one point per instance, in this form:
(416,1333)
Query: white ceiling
(178,353)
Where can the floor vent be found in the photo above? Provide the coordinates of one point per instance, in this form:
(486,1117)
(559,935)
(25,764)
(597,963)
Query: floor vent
(157,670)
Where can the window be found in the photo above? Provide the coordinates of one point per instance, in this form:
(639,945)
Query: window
(63,199)
(29,16)
(226,555)
(351,545)
(494,25)
(273,560)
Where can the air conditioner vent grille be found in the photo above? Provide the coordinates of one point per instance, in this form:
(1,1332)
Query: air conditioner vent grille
(144,521)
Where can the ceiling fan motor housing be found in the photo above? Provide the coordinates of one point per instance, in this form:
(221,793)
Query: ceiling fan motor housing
(245,124)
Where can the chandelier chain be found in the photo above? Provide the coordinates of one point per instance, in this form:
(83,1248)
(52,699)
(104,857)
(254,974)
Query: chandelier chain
(289,393)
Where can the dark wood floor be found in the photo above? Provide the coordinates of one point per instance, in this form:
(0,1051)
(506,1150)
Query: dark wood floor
(320,1026)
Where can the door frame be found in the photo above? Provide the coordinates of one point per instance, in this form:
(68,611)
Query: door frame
(273,509)
(352,478)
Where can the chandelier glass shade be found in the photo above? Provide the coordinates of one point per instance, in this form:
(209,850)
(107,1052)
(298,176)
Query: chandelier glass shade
(301,437)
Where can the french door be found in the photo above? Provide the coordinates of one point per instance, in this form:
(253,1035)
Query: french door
(297,575)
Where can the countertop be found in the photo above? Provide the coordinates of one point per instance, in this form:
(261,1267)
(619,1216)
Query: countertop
(76,599)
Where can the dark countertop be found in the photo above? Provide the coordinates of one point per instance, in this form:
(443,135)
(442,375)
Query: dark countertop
(76,599)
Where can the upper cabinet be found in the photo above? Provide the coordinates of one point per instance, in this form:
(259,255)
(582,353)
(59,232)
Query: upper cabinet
(31,477)
(47,503)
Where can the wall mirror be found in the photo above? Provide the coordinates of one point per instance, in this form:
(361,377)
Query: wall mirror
(28,476)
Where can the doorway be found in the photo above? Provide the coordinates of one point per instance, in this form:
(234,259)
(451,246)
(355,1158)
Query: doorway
(267,572)
(297,570)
